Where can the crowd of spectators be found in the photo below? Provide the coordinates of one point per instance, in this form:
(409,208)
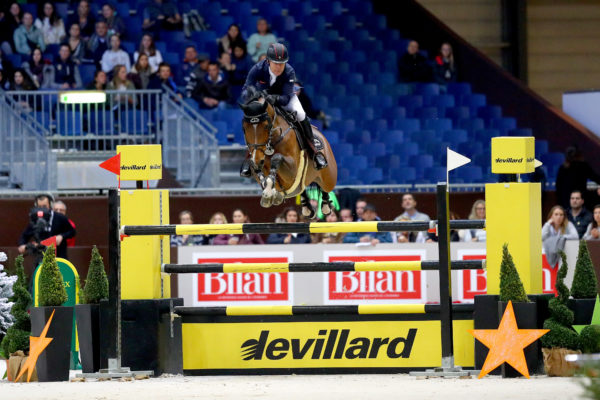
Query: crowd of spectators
(414,66)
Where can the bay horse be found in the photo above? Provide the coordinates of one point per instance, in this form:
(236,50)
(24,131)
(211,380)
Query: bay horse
(279,162)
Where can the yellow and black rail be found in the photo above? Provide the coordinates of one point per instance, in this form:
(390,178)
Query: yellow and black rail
(358,309)
(298,227)
(319,266)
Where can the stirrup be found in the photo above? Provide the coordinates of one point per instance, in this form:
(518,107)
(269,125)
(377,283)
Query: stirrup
(320,161)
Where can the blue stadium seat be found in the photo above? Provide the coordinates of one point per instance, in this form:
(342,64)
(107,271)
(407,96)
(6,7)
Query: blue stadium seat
(388,162)
(406,149)
(204,36)
(357,163)
(394,113)
(371,175)
(221,24)
(504,125)
(458,113)
(410,103)
(391,138)
(123,9)
(435,174)
(30,8)
(69,123)
(314,23)
(471,124)
(222,133)
(134,26)
(282,24)
(459,89)
(455,136)
(62,9)
(15,59)
(489,112)
(375,22)
(552,159)
(87,71)
(342,150)
(333,137)
(375,149)
(345,23)
(403,175)
(300,9)
(424,136)
(330,9)
(407,125)
(421,161)
(541,147)
(270,9)
(439,125)
(470,173)
(473,101)
(135,121)
(100,122)
(485,135)
(442,101)
(427,89)
(427,113)
(521,132)
(344,176)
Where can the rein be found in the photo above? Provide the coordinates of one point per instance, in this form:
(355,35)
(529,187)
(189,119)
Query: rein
(269,145)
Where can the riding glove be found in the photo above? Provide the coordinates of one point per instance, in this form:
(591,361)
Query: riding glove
(272,98)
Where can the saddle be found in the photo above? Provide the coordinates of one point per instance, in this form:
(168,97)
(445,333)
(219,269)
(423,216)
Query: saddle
(291,119)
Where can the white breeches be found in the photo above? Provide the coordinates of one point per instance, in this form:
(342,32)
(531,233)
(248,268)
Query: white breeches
(295,106)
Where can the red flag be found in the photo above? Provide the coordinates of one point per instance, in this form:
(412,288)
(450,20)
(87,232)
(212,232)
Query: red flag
(50,241)
(113,164)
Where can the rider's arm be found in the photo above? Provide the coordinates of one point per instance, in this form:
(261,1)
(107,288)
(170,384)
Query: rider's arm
(251,79)
(288,88)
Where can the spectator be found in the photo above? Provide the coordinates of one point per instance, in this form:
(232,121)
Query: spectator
(241,63)
(369,214)
(21,81)
(411,236)
(346,215)
(239,217)
(460,235)
(213,91)
(61,208)
(140,73)
(58,226)
(478,212)
(163,77)
(114,22)
(259,42)
(6,66)
(51,25)
(413,66)
(98,43)
(555,232)
(8,25)
(35,67)
(330,237)
(84,19)
(359,208)
(216,218)
(444,70)
(186,218)
(161,14)
(99,82)
(190,60)
(409,204)
(27,36)
(64,74)
(592,232)
(578,214)
(120,82)
(76,44)
(115,56)
(290,215)
(4,81)
(233,37)
(197,75)
(147,47)
(573,176)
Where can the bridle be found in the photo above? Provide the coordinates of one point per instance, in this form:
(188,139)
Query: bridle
(269,145)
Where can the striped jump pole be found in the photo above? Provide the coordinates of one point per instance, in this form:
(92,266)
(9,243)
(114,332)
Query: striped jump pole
(361,309)
(319,266)
(298,227)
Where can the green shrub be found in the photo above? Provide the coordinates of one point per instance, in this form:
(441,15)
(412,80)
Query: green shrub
(51,287)
(96,283)
(590,339)
(585,285)
(561,333)
(511,287)
(17,336)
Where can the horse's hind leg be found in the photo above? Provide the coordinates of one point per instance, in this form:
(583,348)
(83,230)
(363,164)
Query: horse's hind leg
(307,209)
(325,203)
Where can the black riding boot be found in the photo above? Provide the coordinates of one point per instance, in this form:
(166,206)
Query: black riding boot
(245,169)
(317,156)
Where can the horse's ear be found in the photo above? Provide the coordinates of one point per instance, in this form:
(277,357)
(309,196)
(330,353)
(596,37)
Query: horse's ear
(243,106)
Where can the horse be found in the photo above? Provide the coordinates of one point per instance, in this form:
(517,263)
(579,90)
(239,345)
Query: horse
(279,162)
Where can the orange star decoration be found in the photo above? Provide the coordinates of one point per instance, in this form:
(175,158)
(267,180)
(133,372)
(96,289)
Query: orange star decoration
(506,343)
(36,346)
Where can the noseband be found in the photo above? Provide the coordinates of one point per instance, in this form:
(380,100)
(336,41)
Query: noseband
(269,146)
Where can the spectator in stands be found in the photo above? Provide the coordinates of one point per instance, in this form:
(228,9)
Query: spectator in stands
(121,83)
(444,70)
(114,22)
(27,37)
(76,44)
(100,81)
(330,237)
(291,215)
(98,43)
(346,215)
(148,47)
(555,232)
(239,217)
(115,56)
(410,236)
(233,37)
(478,212)
(213,90)
(369,214)
(197,74)
(35,67)
(580,216)
(359,208)
(51,25)
(413,66)
(237,68)
(258,43)
(4,81)
(6,66)
(216,218)
(592,232)
(84,19)
(186,218)
(140,73)
(573,175)
(161,14)
(409,204)
(8,24)
(190,61)
(21,81)
(61,208)
(64,74)
(163,77)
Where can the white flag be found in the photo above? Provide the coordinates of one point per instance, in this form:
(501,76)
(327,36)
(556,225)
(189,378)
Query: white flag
(455,159)
(537,163)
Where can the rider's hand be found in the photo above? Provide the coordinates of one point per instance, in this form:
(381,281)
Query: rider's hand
(272,98)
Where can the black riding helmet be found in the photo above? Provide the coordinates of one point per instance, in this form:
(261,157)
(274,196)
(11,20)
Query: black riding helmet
(277,53)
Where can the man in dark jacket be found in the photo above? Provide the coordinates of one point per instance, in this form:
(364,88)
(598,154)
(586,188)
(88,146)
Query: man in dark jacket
(413,66)
(213,90)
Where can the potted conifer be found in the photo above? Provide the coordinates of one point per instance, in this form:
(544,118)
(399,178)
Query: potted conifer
(584,288)
(511,289)
(16,342)
(562,338)
(53,364)
(88,313)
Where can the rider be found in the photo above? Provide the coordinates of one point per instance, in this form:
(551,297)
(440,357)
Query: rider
(277,77)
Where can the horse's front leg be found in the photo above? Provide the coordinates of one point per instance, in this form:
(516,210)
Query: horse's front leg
(270,195)
(307,210)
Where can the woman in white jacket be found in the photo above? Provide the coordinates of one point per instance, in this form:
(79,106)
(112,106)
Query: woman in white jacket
(51,25)
(593,230)
(555,232)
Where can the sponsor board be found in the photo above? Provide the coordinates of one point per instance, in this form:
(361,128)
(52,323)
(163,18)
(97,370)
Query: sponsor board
(359,287)
(474,282)
(243,288)
(331,344)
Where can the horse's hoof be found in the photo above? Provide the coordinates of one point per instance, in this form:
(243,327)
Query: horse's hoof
(325,208)
(278,198)
(308,212)
(266,202)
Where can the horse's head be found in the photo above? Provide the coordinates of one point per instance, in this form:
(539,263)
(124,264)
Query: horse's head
(257,125)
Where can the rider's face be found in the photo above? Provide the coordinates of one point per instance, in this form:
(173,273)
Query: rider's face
(277,69)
